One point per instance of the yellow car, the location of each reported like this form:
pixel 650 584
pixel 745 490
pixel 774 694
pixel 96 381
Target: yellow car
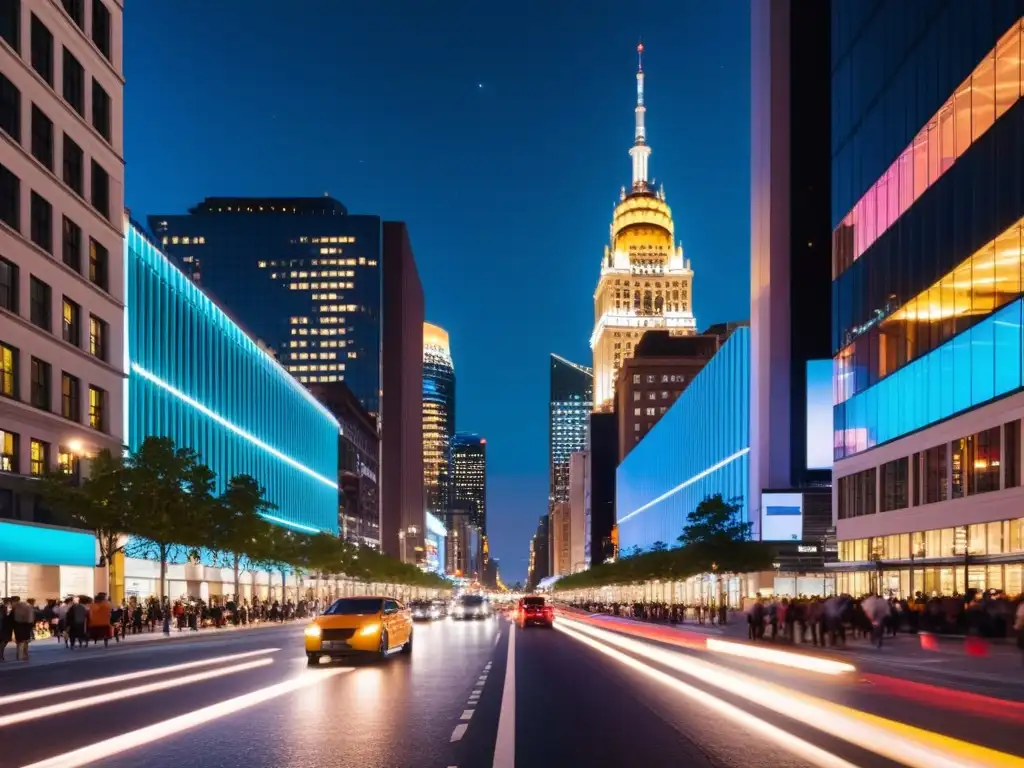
pixel 359 625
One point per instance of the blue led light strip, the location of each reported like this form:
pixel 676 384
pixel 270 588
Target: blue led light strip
pixel 290 524
pixel 237 430
pixel 686 483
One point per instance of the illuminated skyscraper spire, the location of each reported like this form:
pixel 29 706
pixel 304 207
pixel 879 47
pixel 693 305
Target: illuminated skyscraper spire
pixel 640 152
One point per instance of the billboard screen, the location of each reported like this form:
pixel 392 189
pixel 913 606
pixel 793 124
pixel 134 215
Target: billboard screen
pixel 782 516
pixel 819 414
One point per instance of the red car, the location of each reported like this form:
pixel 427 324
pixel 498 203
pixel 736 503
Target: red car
pixel 535 610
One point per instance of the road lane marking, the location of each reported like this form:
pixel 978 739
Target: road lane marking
pixel 458 733
pixel 789 742
pixel 103 698
pixel 505 743
pixel 902 743
pixel 478 691
pixel 497 637
pixel 466 714
pixel 125 742
pixel 113 679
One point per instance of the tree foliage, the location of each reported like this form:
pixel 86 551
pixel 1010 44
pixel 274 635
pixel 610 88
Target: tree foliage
pixel 716 522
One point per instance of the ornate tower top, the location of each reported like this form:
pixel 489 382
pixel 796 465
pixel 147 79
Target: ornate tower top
pixel 640 152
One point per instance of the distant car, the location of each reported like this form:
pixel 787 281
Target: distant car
pixel 535 610
pixel 359 625
pixel 425 610
pixel 471 607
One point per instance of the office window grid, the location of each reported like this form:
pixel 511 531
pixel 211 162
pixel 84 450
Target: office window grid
pixel 193 372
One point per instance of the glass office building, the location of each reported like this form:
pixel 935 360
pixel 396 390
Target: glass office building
pixel 569 405
pixel 438 419
pixel 700 447
pixel 197 377
pixel 302 275
pixel 928 323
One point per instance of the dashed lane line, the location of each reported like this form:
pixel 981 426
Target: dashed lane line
pixel 459 732
pixel 467 714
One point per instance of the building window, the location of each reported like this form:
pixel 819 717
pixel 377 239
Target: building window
pixel 76 10
pixel 636 377
pixel 1011 454
pixel 8 451
pixel 10 199
pixel 636 411
pixel 857 494
pixel 42 50
pixel 98 258
pixel 101 27
pixel 893 479
pixel 74 83
pixel 39 457
pixel 10 109
pixel 636 427
pixel 97 409
pixel 71 245
pixel 636 396
pixel 70 398
pixel 39 303
pixel 650 411
pixel 10 23
pixel 957 458
pixel 8 286
pixel 74 166
pixel 934 475
pixel 983 462
pixel 67 461
pixel 42 137
pixel 71 327
pixel 42 223
pixel 100 190
pixel 915 480
pixel 40 385
pixel 97 337
pixel 100 110
pixel 8 371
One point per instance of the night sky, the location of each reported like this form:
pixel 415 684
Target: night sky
pixel 499 135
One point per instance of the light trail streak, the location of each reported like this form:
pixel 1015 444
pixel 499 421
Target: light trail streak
pixel 781 738
pixel 127 693
pixel 103 750
pixel 99 682
pixel 899 742
pixel 782 658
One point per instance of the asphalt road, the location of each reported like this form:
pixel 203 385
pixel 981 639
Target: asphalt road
pixel 570 696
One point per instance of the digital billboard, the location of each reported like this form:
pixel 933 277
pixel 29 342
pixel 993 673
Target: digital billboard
pixel 782 516
pixel 819 414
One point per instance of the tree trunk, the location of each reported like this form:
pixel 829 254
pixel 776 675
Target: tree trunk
pixel 284 590
pixel 163 571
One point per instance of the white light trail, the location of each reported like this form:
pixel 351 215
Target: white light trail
pixel 782 658
pixel 103 750
pixel 127 693
pixel 899 742
pixel 783 739
pixel 98 682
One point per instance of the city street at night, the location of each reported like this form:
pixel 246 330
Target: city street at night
pixel 577 695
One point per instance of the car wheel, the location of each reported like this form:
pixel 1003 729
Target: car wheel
pixel 407 648
pixel 382 651
pixel 312 659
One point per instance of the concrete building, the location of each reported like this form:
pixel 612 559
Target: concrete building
pixel 579 510
pixel 560 551
pixel 61 273
pixel 649 382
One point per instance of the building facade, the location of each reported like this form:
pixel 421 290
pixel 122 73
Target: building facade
pixel 198 378
pixel 61 269
pixel 579 510
pixel 302 275
pixel 645 283
pixel 699 448
pixel 604 460
pixel 560 551
pixel 569 406
pixel 649 382
pixel 358 464
pixel 927 310
pixel 538 568
pixel 469 471
pixel 438 419
pixel 403 509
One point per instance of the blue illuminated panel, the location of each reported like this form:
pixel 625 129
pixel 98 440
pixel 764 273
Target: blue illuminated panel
pixel 196 377
pixel 700 447
pixel 979 365
pixel 43 545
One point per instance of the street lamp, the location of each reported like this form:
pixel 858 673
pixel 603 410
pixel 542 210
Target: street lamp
pixel 401 543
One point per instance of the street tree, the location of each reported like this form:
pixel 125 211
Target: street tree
pixel 659 546
pixel 715 523
pixel 237 527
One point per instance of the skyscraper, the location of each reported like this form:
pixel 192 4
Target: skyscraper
pixel 570 404
pixel 645 281
pixel 300 274
pixel 438 419
pixel 469 474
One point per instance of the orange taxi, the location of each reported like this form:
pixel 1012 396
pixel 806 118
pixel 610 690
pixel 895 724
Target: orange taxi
pixel 359 625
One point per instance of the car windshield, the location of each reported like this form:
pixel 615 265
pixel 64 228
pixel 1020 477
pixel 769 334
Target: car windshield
pixel 533 602
pixel 354 606
pixel 471 600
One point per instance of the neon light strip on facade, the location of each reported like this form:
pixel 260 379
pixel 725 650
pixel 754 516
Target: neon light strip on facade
pixel 237 430
pixel 686 483
pixel 290 524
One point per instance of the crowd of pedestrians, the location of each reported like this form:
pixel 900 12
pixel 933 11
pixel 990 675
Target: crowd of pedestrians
pixel 78 620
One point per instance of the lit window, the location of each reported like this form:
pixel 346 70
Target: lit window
pixel 67 461
pixel 39 453
pixel 8 451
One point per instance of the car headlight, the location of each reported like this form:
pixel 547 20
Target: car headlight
pixel 369 629
pixel 313 630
